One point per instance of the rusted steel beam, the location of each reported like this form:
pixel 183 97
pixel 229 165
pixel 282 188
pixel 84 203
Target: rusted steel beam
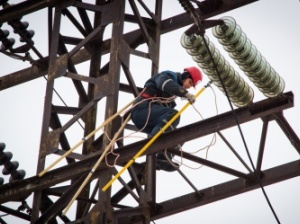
pixel 185 19
pixel 113 80
pixel 85 19
pixel 75 22
pixel 213 165
pixel 234 151
pixel 124 56
pixel 211 194
pixel 140 22
pixel 21 9
pixel 128 188
pixel 31 6
pixel 225 190
pixel 22 76
pixel 55 136
pixel 63 140
pixel 262 144
pixel 154 46
pixel 211 125
pixel 135 182
pixel 288 131
pixel 71 67
pixel 124 215
pixel 57 207
pixel 224 121
pixel 56 68
pixel 14 212
pixel 167 25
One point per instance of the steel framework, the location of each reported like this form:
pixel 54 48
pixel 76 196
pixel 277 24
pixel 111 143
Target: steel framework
pixel 103 84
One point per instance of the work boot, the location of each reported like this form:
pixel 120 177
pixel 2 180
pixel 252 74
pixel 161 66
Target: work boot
pixel 162 163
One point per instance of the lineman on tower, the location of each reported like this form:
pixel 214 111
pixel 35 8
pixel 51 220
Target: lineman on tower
pixel 158 105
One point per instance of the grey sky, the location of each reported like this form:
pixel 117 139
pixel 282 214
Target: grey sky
pixel 273 27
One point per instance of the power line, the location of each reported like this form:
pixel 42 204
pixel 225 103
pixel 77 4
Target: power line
pixel 241 133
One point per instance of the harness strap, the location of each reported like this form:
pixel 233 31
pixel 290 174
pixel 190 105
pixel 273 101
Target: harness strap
pixel 146 95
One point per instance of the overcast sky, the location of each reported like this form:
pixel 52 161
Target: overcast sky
pixel 273 27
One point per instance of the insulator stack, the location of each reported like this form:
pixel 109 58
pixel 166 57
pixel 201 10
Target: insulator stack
pixel 10 167
pixel 2 2
pixel 22 28
pixel 187 5
pixel 7 43
pixel 248 58
pixel 240 93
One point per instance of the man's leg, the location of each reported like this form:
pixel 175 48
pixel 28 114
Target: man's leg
pixel 161 116
pixel 164 159
pixel 152 120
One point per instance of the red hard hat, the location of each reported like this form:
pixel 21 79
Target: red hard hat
pixel 195 73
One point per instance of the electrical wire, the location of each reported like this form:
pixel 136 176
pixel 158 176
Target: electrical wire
pixel 29 58
pixel 241 133
pixel 59 96
pixel 242 136
pixel 213 141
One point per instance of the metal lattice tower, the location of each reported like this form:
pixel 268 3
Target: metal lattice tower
pixel 107 57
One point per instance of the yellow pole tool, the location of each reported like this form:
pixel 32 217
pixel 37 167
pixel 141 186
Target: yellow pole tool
pixel 148 144
pixel 108 147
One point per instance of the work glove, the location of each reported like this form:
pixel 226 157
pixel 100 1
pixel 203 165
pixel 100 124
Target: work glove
pixel 191 98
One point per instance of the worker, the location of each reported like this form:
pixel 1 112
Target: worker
pixel 155 106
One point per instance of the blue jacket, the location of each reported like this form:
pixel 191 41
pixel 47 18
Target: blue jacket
pixel 165 84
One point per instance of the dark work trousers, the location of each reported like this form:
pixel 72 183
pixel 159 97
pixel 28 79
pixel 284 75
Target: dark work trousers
pixel 157 118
